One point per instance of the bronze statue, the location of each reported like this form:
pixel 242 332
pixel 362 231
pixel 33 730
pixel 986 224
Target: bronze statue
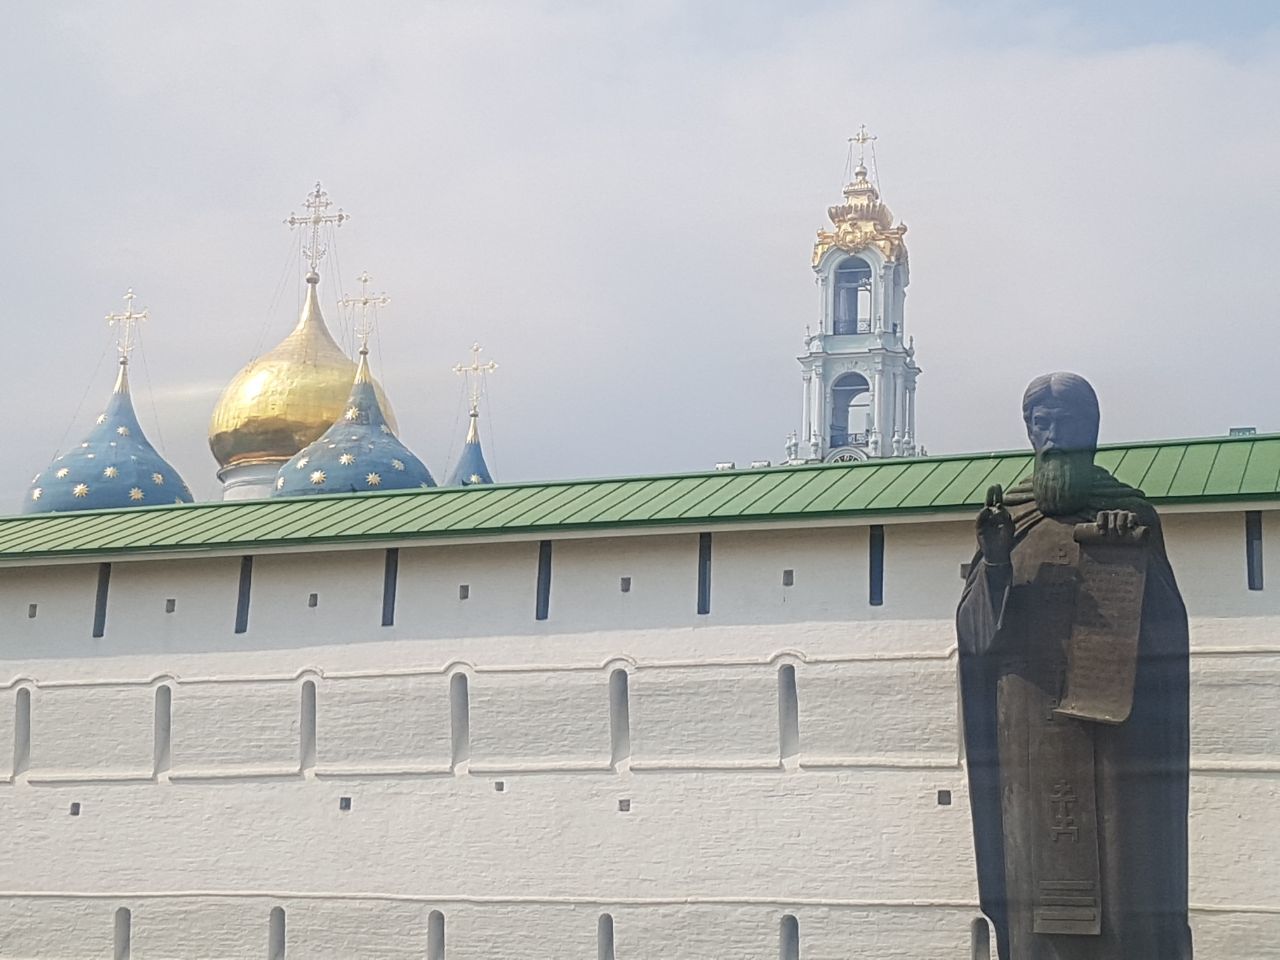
pixel 1074 685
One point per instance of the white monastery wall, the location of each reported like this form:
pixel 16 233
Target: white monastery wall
pixel 325 765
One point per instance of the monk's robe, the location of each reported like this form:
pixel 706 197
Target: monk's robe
pixel 1080 827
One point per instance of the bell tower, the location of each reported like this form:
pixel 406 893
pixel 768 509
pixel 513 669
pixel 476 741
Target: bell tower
pixel 859 368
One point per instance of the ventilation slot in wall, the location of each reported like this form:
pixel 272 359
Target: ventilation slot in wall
pixel 544 580
pixel 624 584
pixel 459 718
pixel 313 600
pixel 619 717
pixel 100 600
pixel 22 732
pixel 307 727
pixel 464 591
pixel 31 611
pixel 435 935
pixel 163 738
pixel 171 605
pixel 390 577
pixel 789 938
pixel 276 935
pixel 788 713
pixel 1253 547
pixel 123 934
pixel 604 937
pixel 242 598
pixel 980 940
pixel 704 573
pixel 788 578
pixel 876 565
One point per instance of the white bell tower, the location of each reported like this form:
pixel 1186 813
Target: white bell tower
pixel 859 367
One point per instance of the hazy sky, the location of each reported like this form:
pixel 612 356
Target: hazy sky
pixel 619 201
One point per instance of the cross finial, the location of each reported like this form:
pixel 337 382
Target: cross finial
pixel 474 372
pixel 128 323
pixel 365 325
pixel 861 138
pixel 317 203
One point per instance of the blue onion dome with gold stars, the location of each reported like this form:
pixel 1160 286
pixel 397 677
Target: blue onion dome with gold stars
pixel 471 468
pixel 114 466
pixel 359 452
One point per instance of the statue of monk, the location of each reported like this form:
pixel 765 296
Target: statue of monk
pixel 1074 687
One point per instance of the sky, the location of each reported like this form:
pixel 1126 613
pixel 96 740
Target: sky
pixel 618 200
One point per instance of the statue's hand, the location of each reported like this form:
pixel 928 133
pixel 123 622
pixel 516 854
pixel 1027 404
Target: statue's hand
pixel 995 529
pixel 1117 522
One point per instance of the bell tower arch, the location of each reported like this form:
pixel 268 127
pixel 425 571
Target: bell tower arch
pixel 858 368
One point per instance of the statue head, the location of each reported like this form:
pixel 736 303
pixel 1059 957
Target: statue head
pixel 1061 414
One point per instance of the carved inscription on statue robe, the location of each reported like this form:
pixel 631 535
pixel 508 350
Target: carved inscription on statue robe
pixel 1102 652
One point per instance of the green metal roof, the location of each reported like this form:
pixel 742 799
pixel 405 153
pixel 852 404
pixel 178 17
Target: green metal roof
pixel 1243 468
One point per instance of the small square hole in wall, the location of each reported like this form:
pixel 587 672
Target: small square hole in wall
pixel 344 803
pixel 464 591
pixel 170 605
pixel 624 805
pixel 625 584
pixel 788 578
pixel 944 798
pixel 313 600
pixel 75 808
pixel 31 611
pixel 499 786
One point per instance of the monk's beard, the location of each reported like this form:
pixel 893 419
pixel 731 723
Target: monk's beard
pixel 1062 480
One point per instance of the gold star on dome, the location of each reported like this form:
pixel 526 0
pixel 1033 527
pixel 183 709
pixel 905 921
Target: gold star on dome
pixel 384 428
pixel 317 477
pixel 398 464
pixel 37 493
pixel 373 480
pixel 123 431
pixel 102 418
pixel 301 464
pixel 279 483
pixel 352 413
pixel 177 500
pixel 61 472
pixel 135 493
pixel 158 479
pixel 80 490
pixel 475 478
pixel 110 472
pixel 346 459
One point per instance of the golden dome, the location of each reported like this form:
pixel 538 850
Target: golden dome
pixel 286 398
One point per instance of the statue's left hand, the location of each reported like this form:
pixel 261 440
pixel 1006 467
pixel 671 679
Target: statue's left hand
pixel 1117 522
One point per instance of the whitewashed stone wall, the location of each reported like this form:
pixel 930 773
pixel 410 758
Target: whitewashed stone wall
pixel 695 831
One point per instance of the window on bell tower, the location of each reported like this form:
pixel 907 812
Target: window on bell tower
pixel 852 297
pixel 850 410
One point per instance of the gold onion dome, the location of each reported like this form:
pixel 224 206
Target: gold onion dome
pixel 289 396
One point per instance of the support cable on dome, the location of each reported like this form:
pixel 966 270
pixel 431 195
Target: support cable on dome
pixel 88 385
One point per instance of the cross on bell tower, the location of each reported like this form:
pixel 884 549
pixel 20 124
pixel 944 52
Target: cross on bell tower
pixel 858 368
pixel 364 326
pixel 127 322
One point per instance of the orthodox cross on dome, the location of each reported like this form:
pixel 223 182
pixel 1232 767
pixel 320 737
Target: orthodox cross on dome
pixel 474 373
pixel 128 322
pixel 317 203
pixel 364 327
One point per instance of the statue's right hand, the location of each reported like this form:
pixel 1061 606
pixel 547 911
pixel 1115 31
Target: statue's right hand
pixel 995 529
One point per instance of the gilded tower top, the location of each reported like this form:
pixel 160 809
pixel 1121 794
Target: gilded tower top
pixel 863 220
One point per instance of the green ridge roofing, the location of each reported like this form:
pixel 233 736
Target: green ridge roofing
pixel 1243 468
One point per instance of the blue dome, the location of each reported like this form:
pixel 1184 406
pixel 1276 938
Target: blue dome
pixel 114 466
pixel 359 452
pixel 470 468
